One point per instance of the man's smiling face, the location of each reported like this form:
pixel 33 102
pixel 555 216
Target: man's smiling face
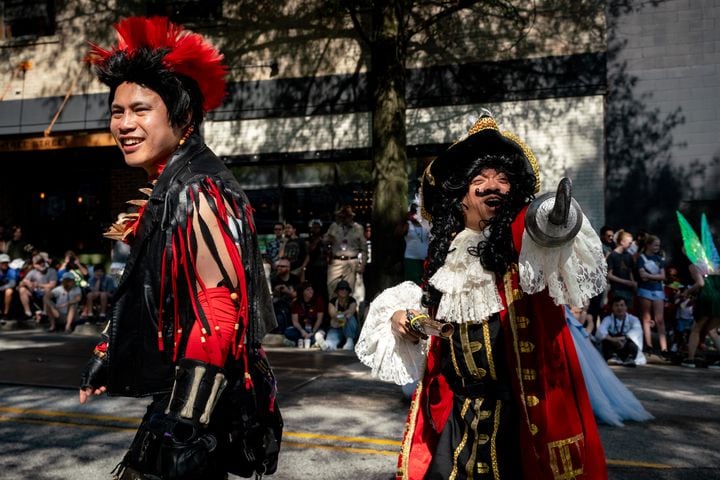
pixel 141 127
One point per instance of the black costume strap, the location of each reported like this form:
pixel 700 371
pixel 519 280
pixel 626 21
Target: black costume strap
pixel 191 271
pixel 209 241
pixel 622 325
pixel 480 388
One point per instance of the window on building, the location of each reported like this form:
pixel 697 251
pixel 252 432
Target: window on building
pixel 301 192
pixel 26 18
pixel 186 11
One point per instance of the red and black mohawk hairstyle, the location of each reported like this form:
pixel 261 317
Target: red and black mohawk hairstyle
pixel 181 66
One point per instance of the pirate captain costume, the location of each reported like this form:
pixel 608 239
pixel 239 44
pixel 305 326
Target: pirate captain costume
pixel 503 397
pixel 194 347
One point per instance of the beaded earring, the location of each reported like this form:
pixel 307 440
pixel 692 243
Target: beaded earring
pixel 186 135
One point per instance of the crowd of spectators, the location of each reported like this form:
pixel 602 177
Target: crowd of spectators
pixel 316 279
pixel 56 293
pixel 646 313
pixel 315 274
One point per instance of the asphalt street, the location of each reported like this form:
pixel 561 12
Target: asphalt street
pixel 340 422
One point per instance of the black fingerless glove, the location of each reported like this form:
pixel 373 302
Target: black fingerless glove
pixel 95 373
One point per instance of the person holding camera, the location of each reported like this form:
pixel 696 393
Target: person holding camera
pixel 621 336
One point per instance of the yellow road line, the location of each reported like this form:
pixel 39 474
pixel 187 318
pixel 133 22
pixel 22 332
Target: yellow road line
pixel 86 416
pixel 339 448
pixel 35 421
pixel 323 436
pixel 17 415
pixel 631 463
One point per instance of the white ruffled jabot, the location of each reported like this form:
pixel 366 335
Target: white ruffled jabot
pixel 469 292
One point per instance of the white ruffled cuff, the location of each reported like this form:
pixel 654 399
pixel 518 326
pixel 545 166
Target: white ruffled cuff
pixel 573 273
pixel 392 358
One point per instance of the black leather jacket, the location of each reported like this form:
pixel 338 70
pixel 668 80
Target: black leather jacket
pixel 136 366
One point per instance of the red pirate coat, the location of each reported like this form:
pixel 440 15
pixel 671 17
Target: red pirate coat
pixel 557 434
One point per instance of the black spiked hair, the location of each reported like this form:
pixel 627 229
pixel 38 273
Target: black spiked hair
pixel 181 95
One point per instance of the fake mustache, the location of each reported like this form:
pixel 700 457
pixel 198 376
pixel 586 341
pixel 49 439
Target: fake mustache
pixel 485 193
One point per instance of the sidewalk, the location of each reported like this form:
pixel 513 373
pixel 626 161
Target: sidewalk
pixel 31 356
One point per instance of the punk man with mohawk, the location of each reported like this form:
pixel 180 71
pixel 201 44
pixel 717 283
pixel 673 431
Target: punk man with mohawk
pixel 193 304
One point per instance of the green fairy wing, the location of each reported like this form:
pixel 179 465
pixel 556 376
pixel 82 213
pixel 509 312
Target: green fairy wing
pixel 693 247
pixel 708 244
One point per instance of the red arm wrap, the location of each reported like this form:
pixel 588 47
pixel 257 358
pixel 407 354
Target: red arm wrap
pixel 222 315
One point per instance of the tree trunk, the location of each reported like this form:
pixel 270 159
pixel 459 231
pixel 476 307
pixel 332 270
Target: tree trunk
pixel 388 144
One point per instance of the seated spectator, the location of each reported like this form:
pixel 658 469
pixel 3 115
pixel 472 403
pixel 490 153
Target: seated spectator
pixel 73 265
pixel 36 283
pixel 621 336
pixel 342 310
pixel 101 289
pixel 611 401
pixel 8 282
pixel 62 302
pixel 307 316
pixel 284 290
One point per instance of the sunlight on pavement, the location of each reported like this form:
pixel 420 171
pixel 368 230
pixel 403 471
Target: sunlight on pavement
pixel 300 440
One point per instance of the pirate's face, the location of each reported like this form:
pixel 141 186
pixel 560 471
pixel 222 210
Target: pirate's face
pixel 484 197
pixel 141 127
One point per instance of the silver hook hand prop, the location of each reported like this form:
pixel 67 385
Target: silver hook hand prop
pixel 554 222
pixel 561 210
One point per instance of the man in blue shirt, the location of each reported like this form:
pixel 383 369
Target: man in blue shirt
pixel 8 282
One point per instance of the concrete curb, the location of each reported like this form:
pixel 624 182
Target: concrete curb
pixel 93 329
pixel 27 325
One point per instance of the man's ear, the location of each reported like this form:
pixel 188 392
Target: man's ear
pixel 188 121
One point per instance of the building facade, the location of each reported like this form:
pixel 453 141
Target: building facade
pixel 296 126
